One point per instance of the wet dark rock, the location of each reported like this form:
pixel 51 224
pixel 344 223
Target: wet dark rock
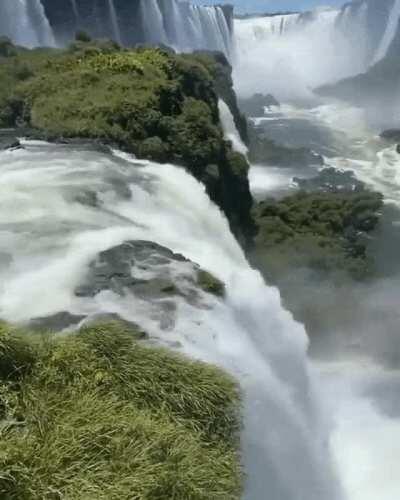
pixel 256 104
pixel 56 322
pixel 398 148
pixel 391 135
pixel 105 318
pixel 330 180
pixel 148 271
pixel 87 198
pixel 264 151
pixel 9 139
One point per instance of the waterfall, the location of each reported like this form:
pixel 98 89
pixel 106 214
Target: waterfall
pixel 75 10
pixel 180 25
pixel 24 22
pixel 153 23
pixel 114 22
pixel 231 133
pixel 51 237
pixel 295 53
pixel 186 27
pixel 390 32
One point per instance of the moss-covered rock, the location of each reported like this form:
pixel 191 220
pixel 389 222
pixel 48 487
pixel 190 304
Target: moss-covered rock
pixel 153 103
pixel 101 416
pixel 210 283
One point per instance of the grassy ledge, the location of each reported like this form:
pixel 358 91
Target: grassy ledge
pixel 97 415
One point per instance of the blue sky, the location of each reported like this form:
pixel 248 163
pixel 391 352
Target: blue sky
pixel 274 5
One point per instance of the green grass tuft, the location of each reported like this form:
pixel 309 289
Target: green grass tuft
pixel 101 416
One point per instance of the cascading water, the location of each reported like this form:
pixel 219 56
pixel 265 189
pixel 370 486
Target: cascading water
pixel 299 52
pixel 114 21
pixel 392 26
pixel 75 10
pixel 48 240
pixel 230 131
pixel 180 25
pixel 25 22
pixel 152 20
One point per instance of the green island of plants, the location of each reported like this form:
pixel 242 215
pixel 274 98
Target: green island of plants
pixel 99 415
pixel 321 231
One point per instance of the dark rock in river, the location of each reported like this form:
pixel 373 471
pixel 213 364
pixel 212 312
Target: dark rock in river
pixel 265 151
pixel 330 180
pixel 256 104
pixel 9 139
pixel 56 322
pixel 392 135
pixel 149 271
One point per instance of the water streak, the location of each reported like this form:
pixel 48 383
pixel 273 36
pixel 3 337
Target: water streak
pixel 390 33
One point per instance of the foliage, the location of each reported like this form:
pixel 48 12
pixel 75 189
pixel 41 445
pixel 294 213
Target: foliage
pixel 100 416
pixel 82 36
pixel 322 231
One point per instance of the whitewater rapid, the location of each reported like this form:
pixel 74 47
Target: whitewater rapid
pixel 48 237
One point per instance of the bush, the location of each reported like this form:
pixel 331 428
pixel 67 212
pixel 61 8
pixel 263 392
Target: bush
pixel 82 36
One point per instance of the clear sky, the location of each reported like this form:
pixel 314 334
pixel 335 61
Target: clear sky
pixel 274 5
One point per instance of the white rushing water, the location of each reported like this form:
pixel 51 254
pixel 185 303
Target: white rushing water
pixel 186 27
pixel 390 32
pixel 230 131
pixel 48 237
pixel 292 54
pixel 366 439
pixel 24 21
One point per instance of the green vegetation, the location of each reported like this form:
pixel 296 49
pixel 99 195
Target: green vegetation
pixel 210 283
pixel 150 102
pixel 323 231
pixel 97 415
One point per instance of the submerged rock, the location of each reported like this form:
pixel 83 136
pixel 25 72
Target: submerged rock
pixel 149 271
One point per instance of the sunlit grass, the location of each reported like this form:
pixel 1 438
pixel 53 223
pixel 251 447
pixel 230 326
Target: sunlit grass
pixel 98 415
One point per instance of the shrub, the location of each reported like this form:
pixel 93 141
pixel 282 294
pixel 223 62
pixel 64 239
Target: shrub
pixel 82 36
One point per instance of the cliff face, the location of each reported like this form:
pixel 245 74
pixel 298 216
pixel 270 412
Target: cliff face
pixel 155 104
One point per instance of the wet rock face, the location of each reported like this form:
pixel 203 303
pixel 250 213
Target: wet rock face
pixel 9 139
pixel 141 267
pixel 140 270
pixel 149 271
